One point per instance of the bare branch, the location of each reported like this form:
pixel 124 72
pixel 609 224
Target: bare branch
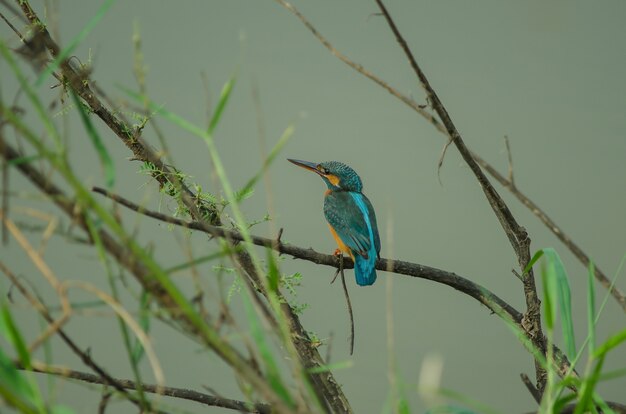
pixel 601 277
pixel 180 393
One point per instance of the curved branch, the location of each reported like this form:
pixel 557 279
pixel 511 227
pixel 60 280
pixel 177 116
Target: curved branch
pixel 326 388
pixel 473 289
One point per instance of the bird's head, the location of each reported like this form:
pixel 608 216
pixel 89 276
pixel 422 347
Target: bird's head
pixel 337 175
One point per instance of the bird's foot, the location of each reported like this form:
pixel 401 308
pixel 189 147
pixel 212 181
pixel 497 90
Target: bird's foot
pixel 339 254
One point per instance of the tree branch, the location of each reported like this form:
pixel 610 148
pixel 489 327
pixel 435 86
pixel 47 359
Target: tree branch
pixel 180 393
pixel 618 295
pixel 324 384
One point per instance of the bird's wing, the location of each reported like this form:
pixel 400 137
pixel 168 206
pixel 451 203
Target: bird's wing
pixel 374 225
pixel 349 216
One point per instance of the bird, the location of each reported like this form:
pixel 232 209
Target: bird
pixel 350 216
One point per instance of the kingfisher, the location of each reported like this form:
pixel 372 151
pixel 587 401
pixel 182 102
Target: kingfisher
pixel 350 216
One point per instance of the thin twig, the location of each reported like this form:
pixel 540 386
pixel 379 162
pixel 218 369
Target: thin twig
pixel 517 235
pixel 180 393
pixel 531 388
pixel 432 120
pixel 328 391
pixel 83 355
pixel 600 276
pixel 509 154
pixel 359 68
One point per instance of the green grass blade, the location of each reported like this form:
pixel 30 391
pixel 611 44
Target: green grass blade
pixel 284 138
pixel 550 293
pixel 103 154
pixel 217 255
pixel 14 388
pixel 221 104
pixel 13 335
pixel 564 298
pixel 24 160
pixel 611 343
pixel 75 42
pixel 273 373
pixel 587 388
pixel 26 388
pixel 533 260
pixel 591 309
pixel 160 110
pixel 599 401
pixel 138 351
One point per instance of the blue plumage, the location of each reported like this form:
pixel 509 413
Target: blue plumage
pixel 350 216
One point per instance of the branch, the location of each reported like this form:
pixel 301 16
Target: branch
pixel 618 295
pixel 517 234
pixel 181 393
pixel 327 390
pixel 145 277
pixel 478 292
pixel 84 356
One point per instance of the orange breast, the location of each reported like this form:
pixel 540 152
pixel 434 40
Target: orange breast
pixel 340 243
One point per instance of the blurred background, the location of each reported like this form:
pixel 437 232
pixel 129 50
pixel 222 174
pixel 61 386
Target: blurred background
pixel 548 75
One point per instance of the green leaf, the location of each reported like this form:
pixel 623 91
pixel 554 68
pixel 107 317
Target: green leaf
pixel 224 252
pixel 273 274
pixel 564 298
pixel 534 259
pixel 67 51
pixel 284 138
pixel 273 373
pixel 13 335
pixel 24 160
pixel 557 291
pixel 14 387
pixel 550 293
pixel 138 351
pixel 221 104
pixel 103 154
pixel 244 193
pixel 591 309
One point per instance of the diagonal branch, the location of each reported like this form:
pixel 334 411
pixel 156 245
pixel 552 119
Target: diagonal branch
pixel 554 228
pixel 328 391
pixel 516 234
pixel 618 295
pixel 464 285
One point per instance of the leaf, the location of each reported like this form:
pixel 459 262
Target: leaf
pixel 138 351
pixel 103 154
pixel 221 104
pixel 67 51
pixel 557 291
pixel 564 298
pixel 273 373
pixel 273 275
pixel 284 138
pixel 591 309
pixel 13 335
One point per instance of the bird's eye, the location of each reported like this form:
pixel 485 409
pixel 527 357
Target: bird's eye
pixel 322 169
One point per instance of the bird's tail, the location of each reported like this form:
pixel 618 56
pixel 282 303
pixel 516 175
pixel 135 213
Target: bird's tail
pixel 364 270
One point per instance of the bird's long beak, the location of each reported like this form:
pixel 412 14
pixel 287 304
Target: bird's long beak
pixel 311 166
